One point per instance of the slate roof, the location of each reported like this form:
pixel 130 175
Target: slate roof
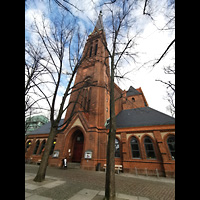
pixel 45 129
pixel 132 91
pixel 139 117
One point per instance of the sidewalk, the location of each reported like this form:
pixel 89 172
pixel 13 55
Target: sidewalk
pixel 77 184
pixel 150 178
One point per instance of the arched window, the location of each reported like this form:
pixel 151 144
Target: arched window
pixel 86 99
pixel 171 145
pixel 96 47
pixel 28 144
pixel 90 51
pixel 117 148
pixel 135 148
pixel 150 153
pixel 52 148
pixel 36 146
pixel 42 146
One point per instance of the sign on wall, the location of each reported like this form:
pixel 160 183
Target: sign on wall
pixel 56 154
pixel 88 154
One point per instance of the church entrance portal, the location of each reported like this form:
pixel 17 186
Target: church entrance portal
pixel 78 146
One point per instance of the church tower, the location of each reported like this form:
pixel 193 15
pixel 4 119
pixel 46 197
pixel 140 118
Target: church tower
pixel 90 94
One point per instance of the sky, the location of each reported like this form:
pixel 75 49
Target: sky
pixel 151 43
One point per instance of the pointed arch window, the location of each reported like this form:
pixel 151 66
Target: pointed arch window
pixel 85 102
pixel 96 47
pixel 28 144
pixel 90 51
pixel 150 153
pixel 171 146
pixel 36 147
pixel 42 146
pixel 135 148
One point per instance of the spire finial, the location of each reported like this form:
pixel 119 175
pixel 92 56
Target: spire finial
pixel 99 24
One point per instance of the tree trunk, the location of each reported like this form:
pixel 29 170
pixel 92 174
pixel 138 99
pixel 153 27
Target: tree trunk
pixel 110 166
pixel 44 161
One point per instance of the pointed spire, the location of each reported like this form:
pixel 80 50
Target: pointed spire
pixel 99 24
pixel 99 27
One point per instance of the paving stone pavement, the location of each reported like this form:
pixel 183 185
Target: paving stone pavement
pixel 78 184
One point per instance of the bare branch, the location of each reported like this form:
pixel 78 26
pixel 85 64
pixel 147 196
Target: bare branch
pixel 168 47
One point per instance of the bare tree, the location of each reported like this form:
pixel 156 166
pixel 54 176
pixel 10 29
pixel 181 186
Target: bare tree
pixel 170 87
pixel 118 28
pixel 150 9
pixel 33 69
pixel 67 5
pixel 56 40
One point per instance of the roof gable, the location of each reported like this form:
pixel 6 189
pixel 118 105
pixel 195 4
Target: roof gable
pixel 132 91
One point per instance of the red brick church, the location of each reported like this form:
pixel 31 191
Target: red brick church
pixel 145 137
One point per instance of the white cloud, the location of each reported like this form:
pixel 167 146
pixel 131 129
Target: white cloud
pixel 151 45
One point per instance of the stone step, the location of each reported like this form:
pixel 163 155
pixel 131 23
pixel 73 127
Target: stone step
pixel 72 165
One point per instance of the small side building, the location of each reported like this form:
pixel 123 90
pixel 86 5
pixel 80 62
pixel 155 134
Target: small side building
pixel 35 122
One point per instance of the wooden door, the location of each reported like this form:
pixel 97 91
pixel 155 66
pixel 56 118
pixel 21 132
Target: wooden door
pixel 78 148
